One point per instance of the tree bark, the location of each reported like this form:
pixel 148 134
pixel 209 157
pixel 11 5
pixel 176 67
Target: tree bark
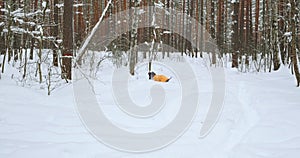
pixel 220 24
pixel 294 57
pixel 281 30
pixel 133 49
pixel 235 36
pixel 276 60
pixel 2 39
pixel 202 28
pixel 67 40
pixel 213 30
pixel 257 11
pixel 96 11
pixel 55 33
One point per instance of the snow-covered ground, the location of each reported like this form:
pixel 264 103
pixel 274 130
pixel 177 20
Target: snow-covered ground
pixel 260 118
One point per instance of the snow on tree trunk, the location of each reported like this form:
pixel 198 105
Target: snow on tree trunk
pixel 2 40
pixel 294 57
pixel 134 50
pixel 67 40
pixel 55 33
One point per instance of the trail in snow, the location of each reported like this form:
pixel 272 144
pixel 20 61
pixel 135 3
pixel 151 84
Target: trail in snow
pixel 260 118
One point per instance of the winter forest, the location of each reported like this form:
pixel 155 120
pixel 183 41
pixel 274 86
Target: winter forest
pixel 149 78
pixel 255 35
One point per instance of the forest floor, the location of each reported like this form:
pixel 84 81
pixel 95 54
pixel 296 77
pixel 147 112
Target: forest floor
pixel 260 118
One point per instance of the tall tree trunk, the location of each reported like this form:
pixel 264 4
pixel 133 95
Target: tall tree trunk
pixel 202 28
pixel 55 33
pixel 281 30
pixel 294 57
pixel 276 60
pixel 133 49
pixel 189 12
pixel 213 30
pixel 67 40
pixel 32 46
pixel 9 36
pixel 241 26
pixel 247 31
pixel 235 36
pixel 81 24
pixel 2 39
pixel 96 11
pixel 220 24
pixel 227 25
pixel 257 11
pixel 264 29
pixel 183 28
pixel 197 27
pixel 269 34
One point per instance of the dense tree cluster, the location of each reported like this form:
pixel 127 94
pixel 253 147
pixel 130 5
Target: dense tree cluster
pixel 258 34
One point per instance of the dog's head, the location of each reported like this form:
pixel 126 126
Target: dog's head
pixel 151 75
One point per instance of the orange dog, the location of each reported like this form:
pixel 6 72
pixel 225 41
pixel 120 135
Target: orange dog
pixel 158 78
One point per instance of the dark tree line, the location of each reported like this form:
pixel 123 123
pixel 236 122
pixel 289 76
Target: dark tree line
pixel 259 34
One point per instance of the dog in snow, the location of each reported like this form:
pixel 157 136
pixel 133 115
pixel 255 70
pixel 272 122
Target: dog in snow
pixel 158 78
